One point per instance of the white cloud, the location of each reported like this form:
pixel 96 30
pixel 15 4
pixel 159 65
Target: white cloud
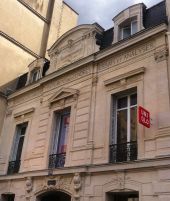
pixel 103 11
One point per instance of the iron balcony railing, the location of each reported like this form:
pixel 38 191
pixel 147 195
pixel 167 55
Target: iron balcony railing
pixel 13 167
pixel 57 160
pixel 123 152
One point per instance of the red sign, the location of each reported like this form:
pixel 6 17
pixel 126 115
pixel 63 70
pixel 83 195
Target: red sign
pixel 144 117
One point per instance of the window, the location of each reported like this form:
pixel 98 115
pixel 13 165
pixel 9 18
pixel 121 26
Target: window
pixel 123 196
pixel 35 75
pixel 59 146
pixel 124 128
pixel 8 197
pixel 127 28
pixel 14 163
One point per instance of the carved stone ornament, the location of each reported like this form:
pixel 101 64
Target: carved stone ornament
pixel 94 80
pixel 77 185
pixel 61 183
pixel 161 55
pixel 63 94
pixel 74 45
pixel 28 184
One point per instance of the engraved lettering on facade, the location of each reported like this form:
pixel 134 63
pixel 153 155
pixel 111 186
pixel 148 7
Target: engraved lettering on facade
pixel 125 56
pixel 68 78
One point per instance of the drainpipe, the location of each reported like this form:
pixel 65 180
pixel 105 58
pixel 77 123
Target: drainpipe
pixel 46 28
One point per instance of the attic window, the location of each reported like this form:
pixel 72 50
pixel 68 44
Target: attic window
pixel 127 28
pixel 35 75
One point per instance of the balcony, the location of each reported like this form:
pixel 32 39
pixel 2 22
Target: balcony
pixel 57 160
pixel 13 167
pixel 123 152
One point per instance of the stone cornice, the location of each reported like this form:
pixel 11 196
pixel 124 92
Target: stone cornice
pixel 95 57
pixel 144 164
pixel 68 68
pixel 24 112
pixel 51 76
pixel 24 90
pixel 124 76
pixel 12 40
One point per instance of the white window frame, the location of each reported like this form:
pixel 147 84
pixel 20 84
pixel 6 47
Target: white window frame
pixel 130 25
pixel 114 123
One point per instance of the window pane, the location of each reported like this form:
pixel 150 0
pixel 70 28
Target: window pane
pixel 133 99
pixel 65 120
pixel 23 129
pixel 126 32
pixel 134 27
pixel 19 150
pixel 133 124
pixel 34 76
pixel 122 126
pixel 122 102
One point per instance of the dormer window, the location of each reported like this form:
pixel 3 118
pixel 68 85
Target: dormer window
pixel 35 75
pixel 127 28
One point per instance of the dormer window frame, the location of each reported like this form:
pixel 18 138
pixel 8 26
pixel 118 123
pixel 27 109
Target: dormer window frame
pixel 37 76
pixel 36 70
pixel 129 26
pixel 130 15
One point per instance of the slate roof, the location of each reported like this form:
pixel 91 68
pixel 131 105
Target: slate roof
pixel 155 15
pixel 152 16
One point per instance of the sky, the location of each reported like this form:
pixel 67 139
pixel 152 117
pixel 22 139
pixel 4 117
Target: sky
pixel 103 11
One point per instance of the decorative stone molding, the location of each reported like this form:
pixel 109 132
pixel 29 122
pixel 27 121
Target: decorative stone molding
pixel 122 78
pixel 63 94
pixel 8 112
pixel 161 55
pixel 74 45
pixel 94 80
pixel 125 56
pixel 38 63
pixel 121 183
pixel 77 185
pixel 28 184
pixel 61 184
pixel 22 113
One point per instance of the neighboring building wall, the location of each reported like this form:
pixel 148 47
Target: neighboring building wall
pixel 27 30
pixel 67 16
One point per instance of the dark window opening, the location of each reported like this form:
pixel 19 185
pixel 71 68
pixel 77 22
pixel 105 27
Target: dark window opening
pixel 8 197
pixel 14 163
pixel 54 196
pixel 123 196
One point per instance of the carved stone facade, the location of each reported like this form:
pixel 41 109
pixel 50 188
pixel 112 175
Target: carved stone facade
pixel 82 93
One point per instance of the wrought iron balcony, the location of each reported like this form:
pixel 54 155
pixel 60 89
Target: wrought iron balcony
pixel 57 160
pixel 123 152
pixel 13 167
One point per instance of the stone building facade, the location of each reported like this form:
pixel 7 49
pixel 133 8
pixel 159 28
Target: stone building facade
pixel 28 29
pixel 73 134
